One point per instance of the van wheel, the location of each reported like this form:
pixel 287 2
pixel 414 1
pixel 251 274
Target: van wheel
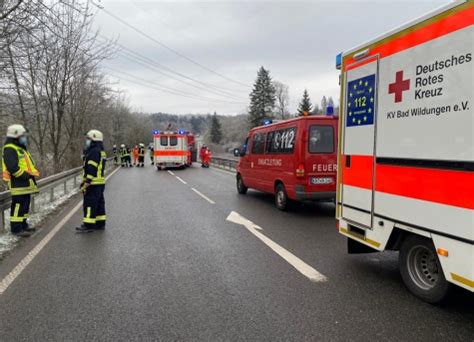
pixel 421 270
pixel 241 188
pixel 281 197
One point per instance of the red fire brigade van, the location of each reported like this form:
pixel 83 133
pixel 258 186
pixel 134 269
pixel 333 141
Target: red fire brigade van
pixel 294 159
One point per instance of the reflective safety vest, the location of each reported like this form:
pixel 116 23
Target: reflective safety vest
pixel 25 165
pixel 141 151
pixel 99 177
pixel 124 152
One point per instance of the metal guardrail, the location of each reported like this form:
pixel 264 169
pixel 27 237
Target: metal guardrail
pixel 46 184
pixel 225 163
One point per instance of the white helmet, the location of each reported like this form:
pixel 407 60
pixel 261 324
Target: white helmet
pixel 95 135
pixel 142 145
pixel 16 131
pixel 122 146
pixel 115 146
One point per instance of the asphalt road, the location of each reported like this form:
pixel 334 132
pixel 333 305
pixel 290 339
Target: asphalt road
pixel 171 267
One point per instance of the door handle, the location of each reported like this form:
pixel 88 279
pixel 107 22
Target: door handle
pixel 348 161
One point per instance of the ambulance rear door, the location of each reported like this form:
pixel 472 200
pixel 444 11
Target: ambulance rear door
pixel 359 126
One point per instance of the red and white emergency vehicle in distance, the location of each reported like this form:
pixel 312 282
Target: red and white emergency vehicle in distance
pixel 174 149
pixel 406 152
pixel 294 159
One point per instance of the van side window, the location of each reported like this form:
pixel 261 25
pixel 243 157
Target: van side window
pixel 321 139
pixel 258 143
pixel 281 141
pixel 173 140
pixel 164 141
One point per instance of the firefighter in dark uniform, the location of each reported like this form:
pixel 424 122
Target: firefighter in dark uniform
pixel 20 172
pixel 141 155
pixel 93 183
pixel 152 154
pixel 116 155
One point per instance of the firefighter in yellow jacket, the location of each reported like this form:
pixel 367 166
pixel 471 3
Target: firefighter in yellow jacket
pixel 20 172
pixel 93 183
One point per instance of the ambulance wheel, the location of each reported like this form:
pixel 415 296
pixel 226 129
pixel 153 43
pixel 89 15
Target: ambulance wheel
pixel 421 270
pixel 281 197
pixel 241 188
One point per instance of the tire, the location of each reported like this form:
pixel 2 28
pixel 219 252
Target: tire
pixel 241 188
pixel 281 197
pixel 421 270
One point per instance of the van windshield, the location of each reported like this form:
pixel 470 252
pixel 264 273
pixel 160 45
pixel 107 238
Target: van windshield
pixel 164 141
pixel 321 139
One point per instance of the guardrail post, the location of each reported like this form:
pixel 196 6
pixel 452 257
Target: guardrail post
pixel 65 187
pixel 2 221
pixel 51 194
pixel 32 204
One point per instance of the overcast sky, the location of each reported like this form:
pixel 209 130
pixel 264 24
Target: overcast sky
pixel 296 40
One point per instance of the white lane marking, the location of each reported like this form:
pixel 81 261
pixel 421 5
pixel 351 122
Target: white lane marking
pixel 292 259
pixel 171 173
pixel 203 196
pixel 181 180
pixel 10 278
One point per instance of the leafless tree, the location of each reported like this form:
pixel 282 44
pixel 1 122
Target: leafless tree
pixel 282 99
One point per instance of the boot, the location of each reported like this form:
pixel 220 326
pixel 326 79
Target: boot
pixel 84 229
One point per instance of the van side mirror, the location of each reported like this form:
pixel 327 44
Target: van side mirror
pixel 236 152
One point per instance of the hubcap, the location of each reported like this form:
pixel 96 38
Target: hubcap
pixel 422 267
pixel 280 198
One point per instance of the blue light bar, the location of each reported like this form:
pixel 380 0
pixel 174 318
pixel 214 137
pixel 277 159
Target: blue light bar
pixel 267 122
pixel 182 132
pixel 156 132
pixel 339 61
pixel 330 111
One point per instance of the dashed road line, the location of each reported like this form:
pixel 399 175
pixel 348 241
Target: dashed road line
pixel 170 172
pixel 181 180
pixel 203 196
pixel 10 278
pixel 290 258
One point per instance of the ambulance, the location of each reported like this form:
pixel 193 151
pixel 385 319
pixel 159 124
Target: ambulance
pixel 406 152
pixel 173 149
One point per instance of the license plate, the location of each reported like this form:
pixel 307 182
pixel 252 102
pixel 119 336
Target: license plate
pixel 320 180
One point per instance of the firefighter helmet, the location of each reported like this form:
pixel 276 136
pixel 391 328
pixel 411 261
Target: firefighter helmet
pixel 95 135
pixel 16 131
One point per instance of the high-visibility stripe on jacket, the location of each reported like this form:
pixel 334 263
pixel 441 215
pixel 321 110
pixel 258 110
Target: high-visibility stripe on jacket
pixel 141 151
pixel 25 165
pixel 94 166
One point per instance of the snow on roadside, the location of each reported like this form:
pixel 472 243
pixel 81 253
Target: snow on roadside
pixel 43 207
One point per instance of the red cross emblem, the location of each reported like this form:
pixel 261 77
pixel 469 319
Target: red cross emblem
pixel 399 86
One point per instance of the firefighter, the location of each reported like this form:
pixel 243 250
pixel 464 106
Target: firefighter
pixel 20 172
pixel 141 155
pixel 116 155
pixel 125 156
pixel 202 153
pixel 135 152
pixel 207 158
pixel 152 154
pixel 93 183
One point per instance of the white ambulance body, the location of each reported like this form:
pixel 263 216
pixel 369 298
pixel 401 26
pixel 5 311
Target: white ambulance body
pixel 406 152
pixel 171 149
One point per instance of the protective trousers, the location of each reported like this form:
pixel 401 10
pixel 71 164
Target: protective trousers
pixel 19 213
pixel 94 207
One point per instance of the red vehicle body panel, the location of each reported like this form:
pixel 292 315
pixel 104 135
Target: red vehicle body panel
pixel 307 143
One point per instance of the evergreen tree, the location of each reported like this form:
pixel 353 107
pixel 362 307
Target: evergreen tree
pixel 316 109
pixel 262 98
pixel 305 104
pixel 216 129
